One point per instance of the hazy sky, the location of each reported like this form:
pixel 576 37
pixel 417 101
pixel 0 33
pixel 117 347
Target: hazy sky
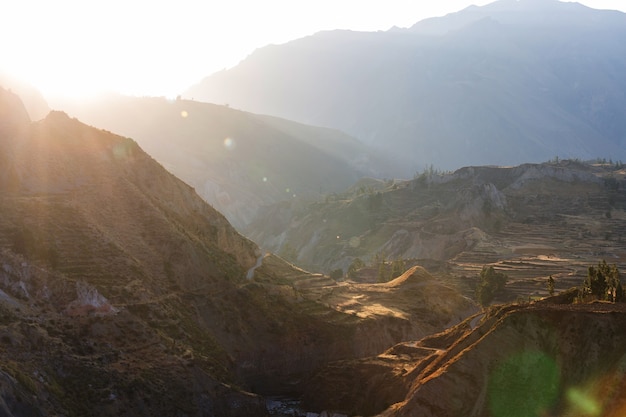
pixel 161 47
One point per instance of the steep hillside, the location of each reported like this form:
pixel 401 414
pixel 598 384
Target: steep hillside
pixel 530 360
pixel 530 221
pixel 123 293
pixel 97 244
pixel 236 161
pixel 507 83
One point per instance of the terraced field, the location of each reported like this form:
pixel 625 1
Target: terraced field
pixel 531 222
pixel 560 240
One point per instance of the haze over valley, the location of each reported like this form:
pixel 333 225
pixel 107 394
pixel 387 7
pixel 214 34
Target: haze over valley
pixel 426 218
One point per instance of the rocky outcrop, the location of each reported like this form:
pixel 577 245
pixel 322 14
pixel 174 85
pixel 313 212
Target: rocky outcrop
pixel 297 322
pixel 518 360
pixel 534 360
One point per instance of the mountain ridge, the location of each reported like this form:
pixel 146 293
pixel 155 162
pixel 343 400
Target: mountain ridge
pixel 236 160
pixel 490 92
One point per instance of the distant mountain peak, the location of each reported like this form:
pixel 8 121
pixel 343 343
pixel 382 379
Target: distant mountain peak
pixel 517 12
pixel 32 99
pixel 508 82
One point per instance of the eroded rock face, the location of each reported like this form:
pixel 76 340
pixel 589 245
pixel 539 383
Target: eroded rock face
pixel 289 326
pixel 531 360
pixel 538 359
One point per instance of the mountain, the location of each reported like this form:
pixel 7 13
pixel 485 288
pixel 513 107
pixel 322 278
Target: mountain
pixel 543 358
pixel 33 100
pixel 95 239
pixel 123 293
pixel 237 161
pixel 530 221
pixel 507 83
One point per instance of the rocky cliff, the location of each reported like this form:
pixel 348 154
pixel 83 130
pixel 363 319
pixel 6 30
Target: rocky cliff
pixel 530 360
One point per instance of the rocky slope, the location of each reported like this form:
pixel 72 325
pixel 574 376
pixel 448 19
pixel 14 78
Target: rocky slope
pixel 507 83
pixel 96 238
pixel 124 293
pixel 519 360
pixel 530 221
pixel 308 320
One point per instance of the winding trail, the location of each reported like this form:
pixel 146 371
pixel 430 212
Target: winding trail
pixel 259 262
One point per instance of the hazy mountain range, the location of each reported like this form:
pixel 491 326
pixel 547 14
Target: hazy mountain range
pixel 506 83
pixel 237 161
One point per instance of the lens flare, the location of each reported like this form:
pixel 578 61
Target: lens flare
pixel 355 242
pixel 229 144
pixel 525 385
pixel 583 403
pixel 184 114
pixel 123 150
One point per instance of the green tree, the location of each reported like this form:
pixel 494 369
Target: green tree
pixel 382 271
pixel 375 202
pixel 620 297
pixel 356 264
pixel 380 260
pixel 551 285
pixel 603 282
pixel 336 274
pixel 397 268
pixel 490 283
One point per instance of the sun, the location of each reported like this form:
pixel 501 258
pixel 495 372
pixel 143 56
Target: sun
pixel 81 49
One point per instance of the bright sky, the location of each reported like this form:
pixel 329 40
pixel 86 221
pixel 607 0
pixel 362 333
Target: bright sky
pixel 161 47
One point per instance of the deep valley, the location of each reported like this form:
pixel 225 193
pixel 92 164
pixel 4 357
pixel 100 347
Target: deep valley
pixel 417 222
